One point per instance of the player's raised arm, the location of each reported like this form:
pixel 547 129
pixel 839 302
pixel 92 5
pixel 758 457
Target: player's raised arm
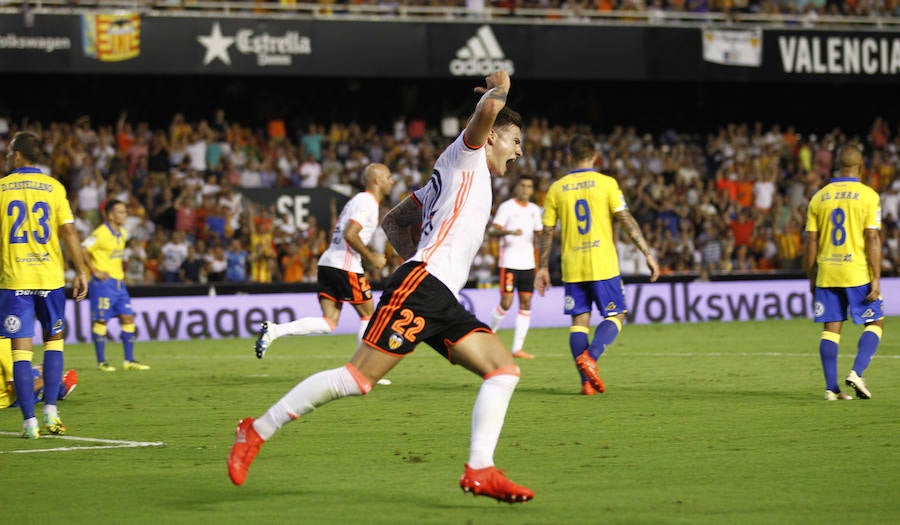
pixel 493 99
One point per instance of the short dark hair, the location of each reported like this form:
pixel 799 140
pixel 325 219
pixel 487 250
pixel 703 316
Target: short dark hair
pixel 28 145
pixel 508 117
pixel 527 176
pixel 581 148
pixel 110 204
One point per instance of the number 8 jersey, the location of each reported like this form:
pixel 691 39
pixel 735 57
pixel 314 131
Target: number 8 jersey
pixel 840 212
pixel 584 201
pixel 32 208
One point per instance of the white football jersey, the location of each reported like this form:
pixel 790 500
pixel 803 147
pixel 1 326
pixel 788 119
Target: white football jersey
pixel 456 206
pixel 517 251
pixel 361 209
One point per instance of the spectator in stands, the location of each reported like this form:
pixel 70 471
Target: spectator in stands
pixel 173 254
pixel 193 268
pixel 237 258
pixel 216 264
pixel 135 259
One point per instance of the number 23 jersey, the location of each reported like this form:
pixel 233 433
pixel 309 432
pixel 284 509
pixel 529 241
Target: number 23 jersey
pixel 32 208
pixel 584 202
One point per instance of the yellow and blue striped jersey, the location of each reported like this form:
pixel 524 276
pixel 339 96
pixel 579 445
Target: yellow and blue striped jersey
pixel 584 202
pixel 106 248
pixel 840 212
pixel 33 206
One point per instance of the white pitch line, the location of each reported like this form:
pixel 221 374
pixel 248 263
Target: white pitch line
pixel 111 443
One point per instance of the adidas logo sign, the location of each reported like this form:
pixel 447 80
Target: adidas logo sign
pixel 480 56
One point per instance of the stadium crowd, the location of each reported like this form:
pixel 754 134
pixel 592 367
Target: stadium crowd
pixel 654 9
pixel 731 201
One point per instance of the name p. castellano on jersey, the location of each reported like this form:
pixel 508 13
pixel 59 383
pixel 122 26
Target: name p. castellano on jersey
pixel 26 185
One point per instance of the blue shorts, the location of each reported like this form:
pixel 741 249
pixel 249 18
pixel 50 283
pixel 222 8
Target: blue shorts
pixel 20 308
pixel 832 304
pixel 109 298
pixel 608 295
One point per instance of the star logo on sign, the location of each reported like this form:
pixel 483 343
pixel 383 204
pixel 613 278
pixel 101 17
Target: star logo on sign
pixel 216 46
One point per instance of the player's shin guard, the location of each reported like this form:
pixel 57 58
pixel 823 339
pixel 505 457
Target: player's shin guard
pixel 578 343
pixel 488 414
pixel 98 333
pixel 311 393
pixel 24 382
pixel 496 317
pixel 128 337
pixel 523 322
pixel 363 324
pixel 868 345
pixel 604 336
pixel 53 370
pixel 304 326
pixel 828 351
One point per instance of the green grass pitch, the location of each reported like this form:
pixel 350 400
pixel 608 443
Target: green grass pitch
pixel 701 423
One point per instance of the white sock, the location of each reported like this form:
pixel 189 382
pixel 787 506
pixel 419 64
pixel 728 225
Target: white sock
pixel 487 418
pixel 496 318
pixel 308 395
pixel 523 321
pixel 303 326
pixel 51 411
pixel 363 324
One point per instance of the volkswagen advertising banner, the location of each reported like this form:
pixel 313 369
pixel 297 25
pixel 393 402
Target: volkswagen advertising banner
pixel 130 43
pixel 226 316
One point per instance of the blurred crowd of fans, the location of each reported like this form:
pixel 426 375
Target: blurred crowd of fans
pixel 455 7
pixel 727 202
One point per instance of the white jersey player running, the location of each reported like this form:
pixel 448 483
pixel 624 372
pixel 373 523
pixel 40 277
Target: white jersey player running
pixel 420 303
pixel 340 273
pixel 516 222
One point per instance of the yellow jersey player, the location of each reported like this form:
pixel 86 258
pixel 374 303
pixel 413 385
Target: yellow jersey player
pixel 106 290
pixel 35 217
pixel 584 202
pixel 8 386
pixel 843 262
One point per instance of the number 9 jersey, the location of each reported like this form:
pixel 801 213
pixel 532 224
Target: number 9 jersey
pixel 584 202
pixel 841 212
pixel 32 208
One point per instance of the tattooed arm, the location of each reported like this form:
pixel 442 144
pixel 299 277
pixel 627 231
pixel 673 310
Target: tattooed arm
pixel 396 227
pixel 489 106
pixel 542 274
pixel 631 228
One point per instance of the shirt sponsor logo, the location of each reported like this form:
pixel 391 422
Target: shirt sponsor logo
pixel 33 258
pixel 270 50
pixel 12 324
pixel 481 55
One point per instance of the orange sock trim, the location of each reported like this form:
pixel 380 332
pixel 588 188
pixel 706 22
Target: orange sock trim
pixel 511 370
pixel 365 318
pixel 331 324
pixel 364 386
